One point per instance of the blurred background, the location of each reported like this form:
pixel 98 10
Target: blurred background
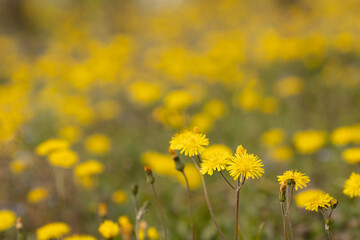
pixel 116 79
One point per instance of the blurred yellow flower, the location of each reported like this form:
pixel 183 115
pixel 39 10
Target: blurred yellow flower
pixel 162 164
pixel 52 231
pixel 17 166
pixel 319 200
pixel 144 92
pixel 308 142
pixel 249 99
pixel 97 144
pixel 203 121
pixel 190 143
pixel 37 195
pixel 108 109
pixel 215 108
pixel 352 185
pixel 269 105
pixel 192 174
pixel 351 155
pixel 214 161
pixel 153 233
pixel 7 219
pixel 245 165
pixel 119 197
pixel 342 135
pixel 289 86
pixel 51 145
pixel 273 137
pixel 70 133
pixel 109 229
pixel 125 225
pixel 281 154
pixel 179 99
pixel 305 196
pixel 63 158
pixel 80 237
pixel 88 168
pixel 299 178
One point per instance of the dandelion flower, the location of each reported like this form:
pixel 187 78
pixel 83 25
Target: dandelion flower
pixel 51 145
pixel 352 185
pixel 351 155
pixel 190 143
pixel 308 142
pixel 125 224
pixel 7 219
pixel 88 168
pixel 299 178
pixel 63 158
pixel 52 231
pixel 243 164
pixel 153 233
pixel 80 237
pixel 214 162
pixel 320 200
pixel 18 166
pixel 273 137
pixel 98 144
pixel 305 196
pixel 119 197
pixel 37 195
pixel 109 229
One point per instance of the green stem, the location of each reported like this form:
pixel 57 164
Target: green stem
pixel 190 206
pixel 160 211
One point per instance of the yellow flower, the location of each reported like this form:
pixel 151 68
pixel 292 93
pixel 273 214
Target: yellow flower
pixel 80 237
pixel 98 144
pixel 204 121
pixel 351 155
pixel 190 143
pixel 308 142
pixel 108 109
pixel 144 92
pixel 215 108
pixel 119 197
pixel 109 229
pixel 63 158
pixel 51 145
pixel 162 164
pixel 249 99
pixel 88 168
pixel 289 86
pixel 52 231
pixel 305 196
pixel 70 133
pixel 37 195
pixel 269 105
pixel 320 200
pixel 246 165
pixel 178 100
pixel 352 185
pixel 214 161
pixel 153 234
pixel 18 166
pixel 273 137
pixel 125 224
pixel 300 178
pixel 7 219
pixel 342 135
pixel 281 154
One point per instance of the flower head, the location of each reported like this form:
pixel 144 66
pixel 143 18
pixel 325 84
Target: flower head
pixel 88 168
pixel 37 195
pixel 51 145
pixel 98 144
pixel 7 219
pixel 246 165
pixel 352 185
pixel 63 158
pixel 109 229
pixel 351 155
pixel 190 143
pixel 305 196
pixel 299 178
pixel 320 200
pixel 52 231
pixel 214 159
pixel 308 142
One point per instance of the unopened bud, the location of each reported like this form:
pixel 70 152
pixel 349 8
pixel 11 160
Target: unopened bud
pixel 334 203
pixel 179 165
pixel 283 187
pixel 240 150
pixel 149 176
pixel 196 129
pixel 282 196
pixel 134 189
pixel 102 210
pixel 19 224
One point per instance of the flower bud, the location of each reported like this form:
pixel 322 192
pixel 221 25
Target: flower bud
pixel 282 196
pixel 334 203
pixel 149 176
pixel 178 164
pixel 134 189
pixel 328 223
pixel 102 210
pixel 240 150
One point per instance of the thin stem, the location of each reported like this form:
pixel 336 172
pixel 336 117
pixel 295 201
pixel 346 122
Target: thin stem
pixel 227 181
pixel 237 208
pixel 208 201
pixel 329 234
pixel 190 205
pixel 160 211
pixel 137 220
pixel 289 200
pixel 284 220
